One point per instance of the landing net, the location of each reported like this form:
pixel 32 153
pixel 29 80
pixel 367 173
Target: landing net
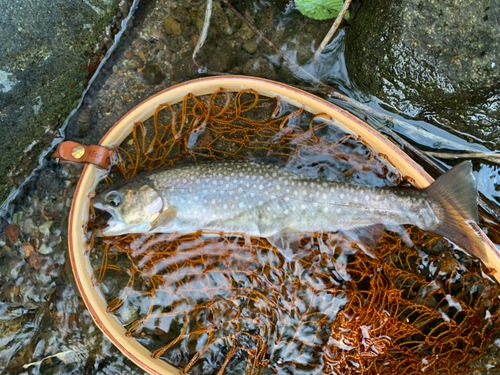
pixel 229 304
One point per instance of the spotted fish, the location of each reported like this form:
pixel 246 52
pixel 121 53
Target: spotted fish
pixel 263 199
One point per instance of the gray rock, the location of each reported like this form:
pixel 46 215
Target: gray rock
pixel 45 44
pixel 431 57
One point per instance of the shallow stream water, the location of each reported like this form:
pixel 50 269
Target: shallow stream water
pixel 44 325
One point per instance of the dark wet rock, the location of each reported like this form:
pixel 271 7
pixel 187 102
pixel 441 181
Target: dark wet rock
pixel 222 58
pixel 152 74
pixel 49 182
pixel 46 49
pixel 172 27
pixel 181 15
pixel 260 67
pixel 431 59
pixel 189 32
pixel 185 67
pixel 174 43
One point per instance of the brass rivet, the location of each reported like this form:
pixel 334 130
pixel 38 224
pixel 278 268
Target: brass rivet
pixel 78 152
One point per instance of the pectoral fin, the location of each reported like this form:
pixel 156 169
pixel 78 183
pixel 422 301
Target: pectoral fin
pixel 165 219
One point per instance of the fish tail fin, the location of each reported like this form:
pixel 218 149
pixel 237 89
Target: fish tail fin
pixel 458 188
pixel 456 192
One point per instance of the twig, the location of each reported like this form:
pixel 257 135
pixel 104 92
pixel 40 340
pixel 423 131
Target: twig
pixel 204 32
pixel 332 31
pixel 492 157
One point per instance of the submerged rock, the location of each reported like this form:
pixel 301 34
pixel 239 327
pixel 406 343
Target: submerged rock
pixel 431 59
pixel 152 74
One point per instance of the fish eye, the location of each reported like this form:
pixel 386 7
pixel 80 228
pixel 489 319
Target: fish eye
pixel 114 199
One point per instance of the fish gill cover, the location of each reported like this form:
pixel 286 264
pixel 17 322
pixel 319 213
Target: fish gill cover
pixel 229 304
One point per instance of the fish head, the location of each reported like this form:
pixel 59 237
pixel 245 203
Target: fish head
pixel 133 207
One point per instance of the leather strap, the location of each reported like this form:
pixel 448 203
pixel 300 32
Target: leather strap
pixel 74 152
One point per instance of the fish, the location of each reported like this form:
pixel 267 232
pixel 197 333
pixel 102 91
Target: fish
pixel 265 199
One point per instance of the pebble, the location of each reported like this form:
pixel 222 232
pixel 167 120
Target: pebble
pixel 172 27
pixel 29 226
pixel 129 54
pixel 13 233
pixel 250 47
pixel 45 228
pixel 44 249
pixel 17 217
pixel 37 260
pixel 134 63
pixel 152 74
pixel 28 249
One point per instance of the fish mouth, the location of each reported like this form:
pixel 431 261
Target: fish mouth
pixel 113 228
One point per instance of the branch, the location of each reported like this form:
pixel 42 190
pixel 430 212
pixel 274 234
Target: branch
pixel 332 31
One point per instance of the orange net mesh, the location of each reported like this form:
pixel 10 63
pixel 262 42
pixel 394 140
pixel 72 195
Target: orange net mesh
pixel 224 304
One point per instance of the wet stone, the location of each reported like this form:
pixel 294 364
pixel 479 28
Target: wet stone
pixel 172 27
pixel 260 67
pixel 250 47
pixel 134 63
pixel 224 57
pixel 431 59
pixel 49 181
pixel 174 43
pixel 181 14
pixel 189 32
pixel 13 233
pixel 152 74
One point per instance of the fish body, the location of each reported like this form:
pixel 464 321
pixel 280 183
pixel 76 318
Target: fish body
pixel 262 199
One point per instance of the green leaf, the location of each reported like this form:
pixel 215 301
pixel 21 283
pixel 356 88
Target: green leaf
pixel 320 9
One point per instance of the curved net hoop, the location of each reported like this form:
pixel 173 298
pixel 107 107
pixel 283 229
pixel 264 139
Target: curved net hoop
pixel 222 303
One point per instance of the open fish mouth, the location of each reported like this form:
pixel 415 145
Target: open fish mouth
pixel 113 228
